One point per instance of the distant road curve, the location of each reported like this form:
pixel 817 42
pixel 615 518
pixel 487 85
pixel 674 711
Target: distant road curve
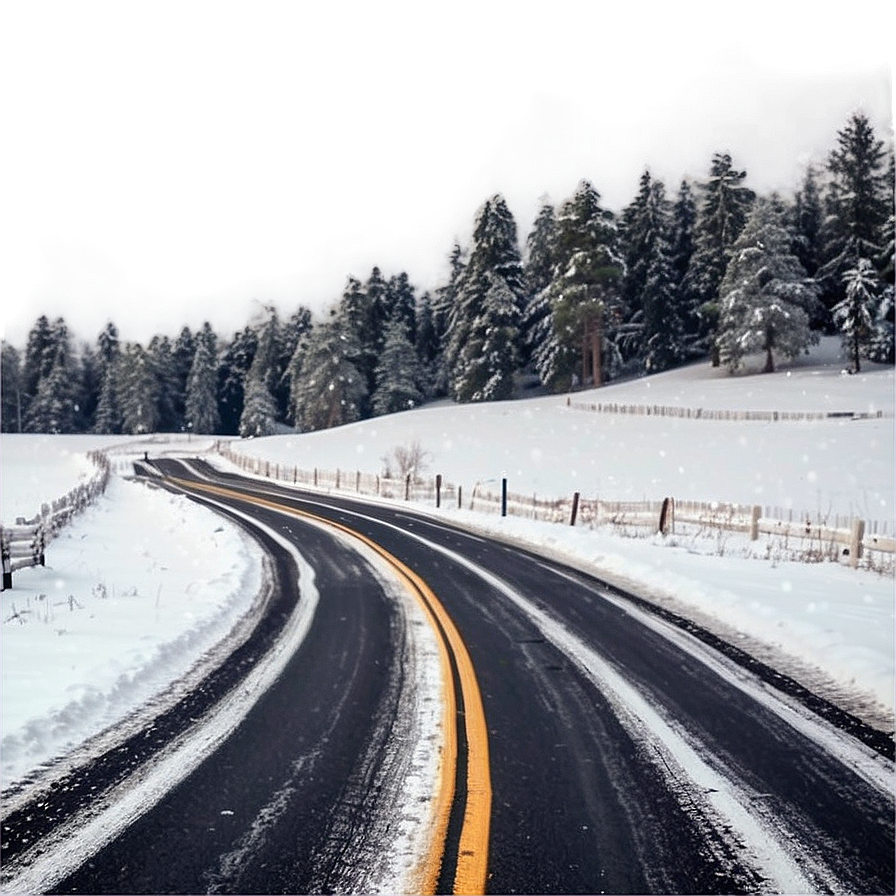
pixel 622 753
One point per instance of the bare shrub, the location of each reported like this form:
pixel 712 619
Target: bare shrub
pixel 410 459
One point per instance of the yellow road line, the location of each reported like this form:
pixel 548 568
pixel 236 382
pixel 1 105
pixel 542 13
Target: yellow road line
pixel 472 859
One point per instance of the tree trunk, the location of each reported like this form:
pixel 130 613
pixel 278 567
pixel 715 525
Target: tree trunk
pixel 769 361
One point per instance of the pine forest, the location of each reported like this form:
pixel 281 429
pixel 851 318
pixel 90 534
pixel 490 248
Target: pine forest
pixel 697 270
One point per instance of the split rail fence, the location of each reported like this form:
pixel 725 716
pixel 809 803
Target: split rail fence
pixel 24 544
pixel 659 410
pixel 836 538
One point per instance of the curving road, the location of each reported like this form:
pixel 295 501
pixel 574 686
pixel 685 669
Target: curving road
pixel 588 745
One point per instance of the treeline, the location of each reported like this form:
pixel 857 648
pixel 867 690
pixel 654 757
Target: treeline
pixel 711 271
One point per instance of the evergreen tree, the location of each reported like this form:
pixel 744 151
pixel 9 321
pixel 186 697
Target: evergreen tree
pixel 538 270
pixel 584 295
pixel 40 351
pixel 427 346
pixel 356 315
pixel 401 304
pixel 766 298
pixel 443 303
pixel 664 327
pixel 11 392
pixel 161 356
pixel 494 256
pixel 202 402
pixel 398 373
pixel 233 369
pixel 326 387
pixel 486 364
pixel 108 417
pixel 291 333
pixel 98 360
pixel 89 384
pixel 723 212
pixel 259 417
pixel 855 313
pixel 446 295
pixel 294 370
pixel 650 284
pixel 810 187
pixel 376 291
pixel 138 395
pixel 53 407
pixel 859 201
pixel 184 351
pixel 881 348
pixel 684 222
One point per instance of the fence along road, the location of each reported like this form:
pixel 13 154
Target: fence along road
pixel 796 536
pixel 623 753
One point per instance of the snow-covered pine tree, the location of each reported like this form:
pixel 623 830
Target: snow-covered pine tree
pixel 376 292
pixel 259 413
pixel 291 333
pixel 650 284
pixel 162 356
pixel 445 297
pixel 584 294
pixel 858 203
pixel 259 417
pixel 184 352
pixel 663 334
pixel 882 348
pixel 401 304
pixel 854 315
pixel 138 396
pixel 443 303
pixel 52 408
pixel 327 389
pixel 202 399
pixel 11 391
pixel 356 315
pixel 684 222
pixel 488 360
pixel 723 212
pixel 538 268
pixel 428 346
pixel 40 350
pixel 398 373
pixel 236 359
pixel 267 354
pixel 108 417
pixel 765 297
pixel 96 362
pixel 494 256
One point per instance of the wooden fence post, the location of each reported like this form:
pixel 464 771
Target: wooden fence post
pixel 460 492
pixel 407 487
pixel 667 516
pixel 7 561
pixel 755 513
pixel 438 490
pixel 504 497
pixel 575 509
pixel 855 542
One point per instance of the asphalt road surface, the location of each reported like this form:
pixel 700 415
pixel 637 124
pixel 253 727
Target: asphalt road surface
pixel 584 743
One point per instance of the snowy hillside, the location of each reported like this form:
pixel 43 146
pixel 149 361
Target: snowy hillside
pixel 833 466
pixel 143 583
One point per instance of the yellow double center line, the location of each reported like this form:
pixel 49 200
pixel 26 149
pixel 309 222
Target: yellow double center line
pixel 472 858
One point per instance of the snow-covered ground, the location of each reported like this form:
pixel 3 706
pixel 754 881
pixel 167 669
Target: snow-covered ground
pixel 143 583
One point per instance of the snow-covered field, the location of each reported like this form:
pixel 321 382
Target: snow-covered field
pixel 143 583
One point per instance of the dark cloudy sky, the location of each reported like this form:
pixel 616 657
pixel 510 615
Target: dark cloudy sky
pixel 163 163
